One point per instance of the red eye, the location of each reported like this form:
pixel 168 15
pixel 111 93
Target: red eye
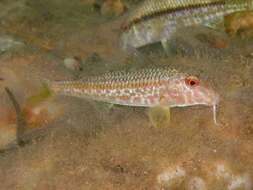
pixel 192 81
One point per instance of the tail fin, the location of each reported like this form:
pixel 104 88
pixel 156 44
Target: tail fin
pixel 44 94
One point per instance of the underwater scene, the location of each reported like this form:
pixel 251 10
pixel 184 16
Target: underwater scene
pixel 126 94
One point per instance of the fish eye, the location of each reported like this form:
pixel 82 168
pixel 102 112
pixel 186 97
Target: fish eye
pixel 192 81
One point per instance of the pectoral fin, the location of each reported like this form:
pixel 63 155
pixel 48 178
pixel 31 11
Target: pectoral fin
pixel 159 116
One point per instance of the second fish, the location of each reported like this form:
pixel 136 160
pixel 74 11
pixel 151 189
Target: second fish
pixel 157 20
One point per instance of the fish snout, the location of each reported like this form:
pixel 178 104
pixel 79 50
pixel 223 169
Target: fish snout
pixel 207 95
pixel 211 96
pixel 214 97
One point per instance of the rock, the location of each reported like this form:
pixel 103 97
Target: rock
pixel 239 23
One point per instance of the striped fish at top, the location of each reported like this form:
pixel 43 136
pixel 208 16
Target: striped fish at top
pixel 156 20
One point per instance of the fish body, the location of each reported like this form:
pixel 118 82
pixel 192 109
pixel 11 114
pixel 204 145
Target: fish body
pixel 157 20
pixel 146 88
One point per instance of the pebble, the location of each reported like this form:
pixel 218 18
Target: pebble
pixel 73 63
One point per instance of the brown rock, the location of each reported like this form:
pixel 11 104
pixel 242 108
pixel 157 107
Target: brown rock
pixel 112 8
pixel 240 23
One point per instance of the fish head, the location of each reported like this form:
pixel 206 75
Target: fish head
pixel 188 91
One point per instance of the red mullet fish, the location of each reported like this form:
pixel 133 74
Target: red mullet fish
pixel 146 88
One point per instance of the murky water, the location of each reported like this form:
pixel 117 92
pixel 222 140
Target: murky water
pixel 73 143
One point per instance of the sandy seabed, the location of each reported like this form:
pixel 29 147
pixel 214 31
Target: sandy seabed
pixel 83 144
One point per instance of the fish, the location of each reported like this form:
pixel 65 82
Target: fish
pixel 157 20
pixel 149 87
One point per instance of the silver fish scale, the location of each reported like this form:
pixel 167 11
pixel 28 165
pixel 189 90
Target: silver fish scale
pixel 137 88
pixel 145 75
